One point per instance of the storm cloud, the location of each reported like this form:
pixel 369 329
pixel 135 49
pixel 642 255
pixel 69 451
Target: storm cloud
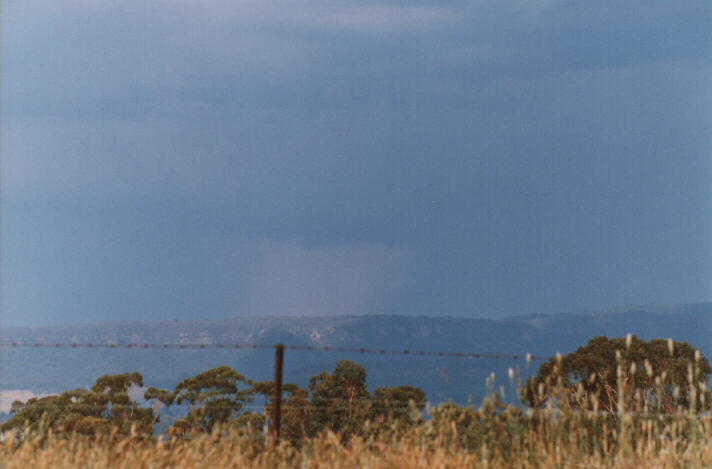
pixel 203 159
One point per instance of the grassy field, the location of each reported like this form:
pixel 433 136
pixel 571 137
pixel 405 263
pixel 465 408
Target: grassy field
pixel 656 424
pixel 546 441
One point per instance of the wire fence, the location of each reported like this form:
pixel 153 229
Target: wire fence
pixel 262 409
pixel 253 346
pixel 286 404
pixel 263 404
pixel 248 346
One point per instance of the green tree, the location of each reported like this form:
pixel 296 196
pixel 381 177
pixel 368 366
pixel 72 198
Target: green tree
pixel 296 410
pixel 214 397
pixel 297 416
pixel 340 400
pixel 396 403
pixel 494 424
pixel 660 373
pixel 99 410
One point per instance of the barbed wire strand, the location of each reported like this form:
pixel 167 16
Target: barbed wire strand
pixel 427 409
pixel 310 348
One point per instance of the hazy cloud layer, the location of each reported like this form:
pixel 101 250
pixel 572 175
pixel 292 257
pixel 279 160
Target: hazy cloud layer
pixel 465 158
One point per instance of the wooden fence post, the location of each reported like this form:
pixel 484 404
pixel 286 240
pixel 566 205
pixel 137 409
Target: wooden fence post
pixel 277 396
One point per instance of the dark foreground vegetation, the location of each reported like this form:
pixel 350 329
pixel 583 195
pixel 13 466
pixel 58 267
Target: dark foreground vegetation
pixel 611 402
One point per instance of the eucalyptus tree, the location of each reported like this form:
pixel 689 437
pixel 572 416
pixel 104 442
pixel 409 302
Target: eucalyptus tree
pixel 608 373
pixel 105 408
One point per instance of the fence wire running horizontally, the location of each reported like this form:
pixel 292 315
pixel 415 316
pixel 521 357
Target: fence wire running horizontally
pixel 285 402
pixel 247 346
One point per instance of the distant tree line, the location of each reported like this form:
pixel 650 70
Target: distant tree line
pixel 339 403
pixel 606 376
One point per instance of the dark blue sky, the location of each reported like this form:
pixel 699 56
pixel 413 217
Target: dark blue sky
pixel 179 159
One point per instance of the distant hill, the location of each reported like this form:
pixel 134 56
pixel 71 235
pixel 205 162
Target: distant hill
pixel 52 370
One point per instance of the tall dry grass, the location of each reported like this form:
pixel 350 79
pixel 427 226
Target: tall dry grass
pixel 555 440
pixel 559 434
